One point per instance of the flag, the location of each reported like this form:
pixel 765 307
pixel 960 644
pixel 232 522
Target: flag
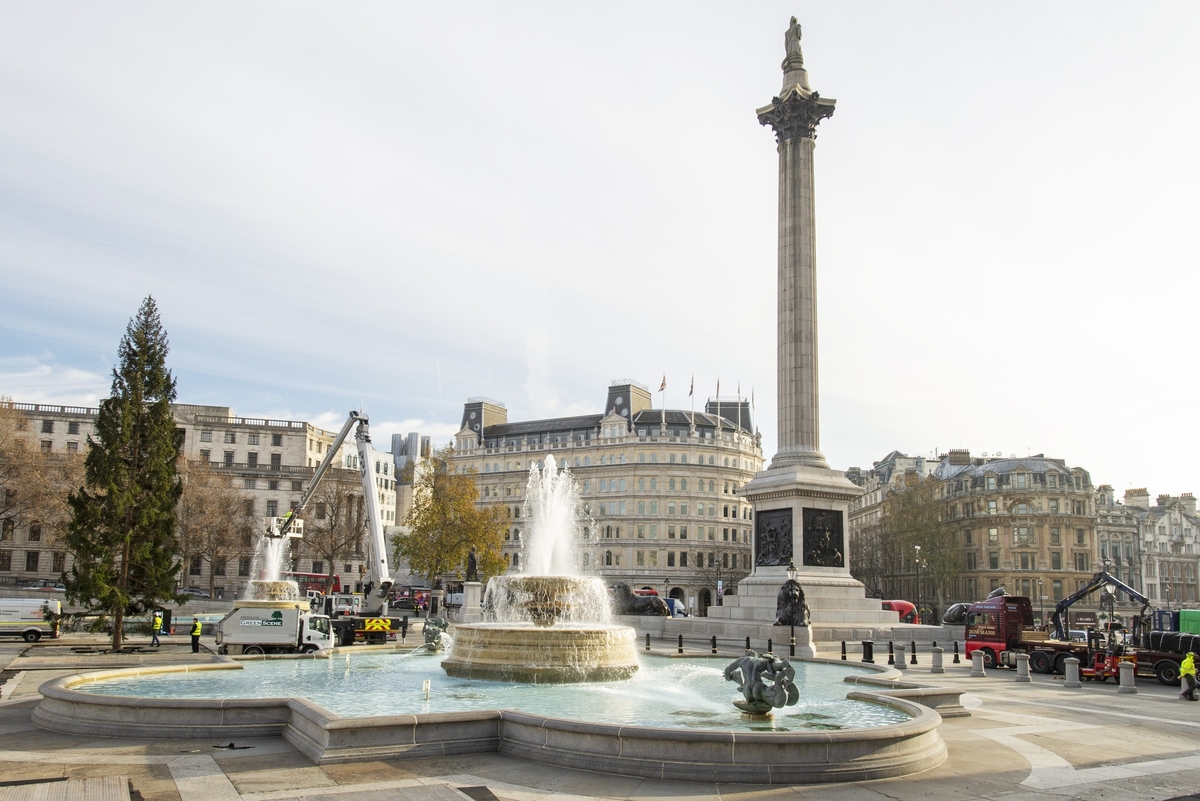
pixel 751 398
pixel 739 391
pixel 663 386
pixel 718 387
pixel 692 388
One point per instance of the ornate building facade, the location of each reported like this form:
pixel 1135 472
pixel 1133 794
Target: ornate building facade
pixel 270 463
pixel 659 486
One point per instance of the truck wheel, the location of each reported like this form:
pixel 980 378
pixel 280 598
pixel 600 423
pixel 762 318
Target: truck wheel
pixel 989 658
pixel 1060 664
pixel 32 636
pixel 1167 673
pixel 1040 662
pixel 308 649
pixel 252 650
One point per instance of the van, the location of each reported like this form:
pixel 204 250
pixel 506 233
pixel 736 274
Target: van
pixel 26 618
pixel 676 606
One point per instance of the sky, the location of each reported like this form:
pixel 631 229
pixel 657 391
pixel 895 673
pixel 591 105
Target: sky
pixel 396 206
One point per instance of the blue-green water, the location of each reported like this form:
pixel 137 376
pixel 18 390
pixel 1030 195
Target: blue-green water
pixel 674 693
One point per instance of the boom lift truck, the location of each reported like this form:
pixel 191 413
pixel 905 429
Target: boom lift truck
pixel 370 622
pixel 1002 627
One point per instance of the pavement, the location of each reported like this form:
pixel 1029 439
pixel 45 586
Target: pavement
pixel 1036 740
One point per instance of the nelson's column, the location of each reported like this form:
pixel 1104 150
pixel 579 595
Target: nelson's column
pixel 800 504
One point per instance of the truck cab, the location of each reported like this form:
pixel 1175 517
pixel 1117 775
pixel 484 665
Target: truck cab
pixel 996 625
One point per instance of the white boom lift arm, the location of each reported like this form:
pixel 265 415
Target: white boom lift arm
pixel 377 582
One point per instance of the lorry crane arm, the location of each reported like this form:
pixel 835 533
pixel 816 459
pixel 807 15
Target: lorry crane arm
pixel 377 582
pixel 1097 581
pixel 318 474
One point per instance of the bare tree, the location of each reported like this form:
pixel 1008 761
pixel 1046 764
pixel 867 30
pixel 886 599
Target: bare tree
pixel 914 516
pixel 213 521
pixel 710 567
pixel 336 521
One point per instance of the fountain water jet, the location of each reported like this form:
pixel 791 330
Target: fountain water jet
pixel 551 624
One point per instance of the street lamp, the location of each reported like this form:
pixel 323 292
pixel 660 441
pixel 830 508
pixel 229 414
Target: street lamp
pixel 919 564
pixel 1041 604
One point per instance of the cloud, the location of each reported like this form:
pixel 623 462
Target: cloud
pixel 34 379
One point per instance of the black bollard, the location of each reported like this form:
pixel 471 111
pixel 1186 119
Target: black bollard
pixel 956 652
pixel 769 649
pixel 868 651
pixel 913 659
pixel 747 645
pixel 714 644
pixel 843 650
pixel 647 641
pixel 403 629
pixel 792 642
pixel 681 643
pixel 934 644
pixel 891 653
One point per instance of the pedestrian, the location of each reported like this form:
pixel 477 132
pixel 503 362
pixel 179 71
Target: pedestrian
pixel 1187 675
pixel 156 627
pixel 195 635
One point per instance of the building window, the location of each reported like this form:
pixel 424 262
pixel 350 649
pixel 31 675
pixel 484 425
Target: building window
pixel 991 482
pixel 206 436
pixel 47 446
pixel 1053 506
pixel 276 461
pixel 971 563
pixel 991 507
pixel 72 447
pixel 272 508
pixel 993 560
pixel 73 428
pixel 993 535
pixel 249 483
pixel 6 529
pixel 968 537
pixel 31 561
pixel 273 485
pixel 47 426
pixel 243 565
pixel 1081 561
pixel 277 440
pixel 194 566
pixel 297 486
pixel 1079 537
pixel 1021 479
pixel 229 458
pixel 58 561
pixel 35 532
pixel 219 567
pixel 6 561
pixel 1056 560
pixel 206 456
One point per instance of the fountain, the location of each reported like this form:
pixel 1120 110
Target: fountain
pixel 550 625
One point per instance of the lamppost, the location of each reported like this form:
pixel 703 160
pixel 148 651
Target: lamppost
pixel 719 593
pixel 792 572
pixel 919 563
pixel 1041 605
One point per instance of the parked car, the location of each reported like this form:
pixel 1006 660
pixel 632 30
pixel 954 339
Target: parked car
pixel 47 585
pixel 195 593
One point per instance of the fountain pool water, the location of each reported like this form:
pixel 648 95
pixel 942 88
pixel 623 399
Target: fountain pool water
pixel 665 692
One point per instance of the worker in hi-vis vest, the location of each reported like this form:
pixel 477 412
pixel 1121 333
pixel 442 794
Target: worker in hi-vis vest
pixel 195 635
pixel 156 627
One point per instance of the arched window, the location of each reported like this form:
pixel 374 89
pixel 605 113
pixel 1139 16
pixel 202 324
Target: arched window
pixel 516 511
pixel 671 484
pixel 507 512
pixel 577 461
pixel 711 487
pixel 653 507
pixel 487 468
pixel 641 483
pixel 608 558
pixel 641 507
pixel 710 460
pixel 516 560
pixel 654 458
pixel 683 459
pixel 727 461
pixel 672 458
pixel 562 462
pixel 585 559
pixel 587 461
pixel 622 458
pixel 654 483
pixel 642 458
pixel 516 533
pixel 683 485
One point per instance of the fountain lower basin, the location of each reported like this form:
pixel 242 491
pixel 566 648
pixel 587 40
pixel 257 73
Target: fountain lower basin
pixel 712 753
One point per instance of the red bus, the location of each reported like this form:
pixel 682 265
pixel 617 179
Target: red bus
pixel 314 581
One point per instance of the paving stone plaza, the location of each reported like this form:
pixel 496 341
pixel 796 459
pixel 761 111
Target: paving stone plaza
pixel 1020 741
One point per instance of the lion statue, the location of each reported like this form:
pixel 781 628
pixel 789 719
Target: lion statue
pixel 790 608
pixel 625 602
